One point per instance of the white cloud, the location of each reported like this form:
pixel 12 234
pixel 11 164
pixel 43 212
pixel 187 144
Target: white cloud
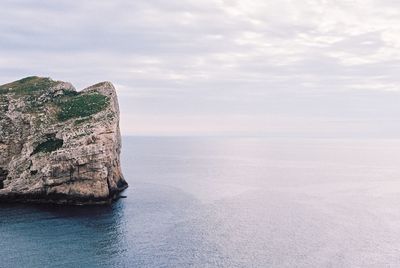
pixel 219 57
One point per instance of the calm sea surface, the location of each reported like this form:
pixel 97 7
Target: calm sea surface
pixel 226 202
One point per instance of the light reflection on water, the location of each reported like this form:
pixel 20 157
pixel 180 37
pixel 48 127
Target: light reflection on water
pixel 214 202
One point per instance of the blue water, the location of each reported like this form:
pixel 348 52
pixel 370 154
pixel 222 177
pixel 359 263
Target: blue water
pixel 226 202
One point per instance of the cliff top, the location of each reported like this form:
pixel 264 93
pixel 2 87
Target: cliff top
pixel 41 93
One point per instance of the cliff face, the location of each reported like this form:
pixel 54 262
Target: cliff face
pixel 58 145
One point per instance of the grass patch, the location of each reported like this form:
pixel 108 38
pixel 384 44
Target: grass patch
pixel 81 106
pixel 69 93
pixel 27 85
pixel 48 146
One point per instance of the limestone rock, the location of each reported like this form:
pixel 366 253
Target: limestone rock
pixel 58 145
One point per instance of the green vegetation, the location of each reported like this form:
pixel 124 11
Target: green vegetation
pixel 49 145
pixel 81 106
pixel 69 93
pixel 27 85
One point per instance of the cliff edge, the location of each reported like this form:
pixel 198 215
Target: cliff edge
pixel 58 145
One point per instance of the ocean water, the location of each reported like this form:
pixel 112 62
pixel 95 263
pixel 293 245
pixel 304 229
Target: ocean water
pixel 226 202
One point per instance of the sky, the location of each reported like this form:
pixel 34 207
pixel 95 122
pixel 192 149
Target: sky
pixel 312 68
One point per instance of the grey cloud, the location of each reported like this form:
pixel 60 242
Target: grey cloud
pixel 222 59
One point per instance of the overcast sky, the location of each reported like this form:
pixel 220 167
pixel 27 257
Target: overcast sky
pixel 215 67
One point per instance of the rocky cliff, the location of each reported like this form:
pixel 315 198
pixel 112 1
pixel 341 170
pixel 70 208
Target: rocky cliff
pixel 58 145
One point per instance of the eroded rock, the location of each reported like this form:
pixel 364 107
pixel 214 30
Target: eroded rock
pixel 58 145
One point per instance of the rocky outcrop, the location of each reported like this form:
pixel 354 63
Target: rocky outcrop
pixel 58 145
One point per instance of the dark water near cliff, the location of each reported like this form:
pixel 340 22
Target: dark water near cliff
pixel 235 202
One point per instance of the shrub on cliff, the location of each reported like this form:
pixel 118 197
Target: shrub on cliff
pixel 81 106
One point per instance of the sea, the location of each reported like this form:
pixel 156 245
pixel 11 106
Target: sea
pixel 226 202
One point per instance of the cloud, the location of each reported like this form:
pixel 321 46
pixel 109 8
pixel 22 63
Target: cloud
pixel 221 58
